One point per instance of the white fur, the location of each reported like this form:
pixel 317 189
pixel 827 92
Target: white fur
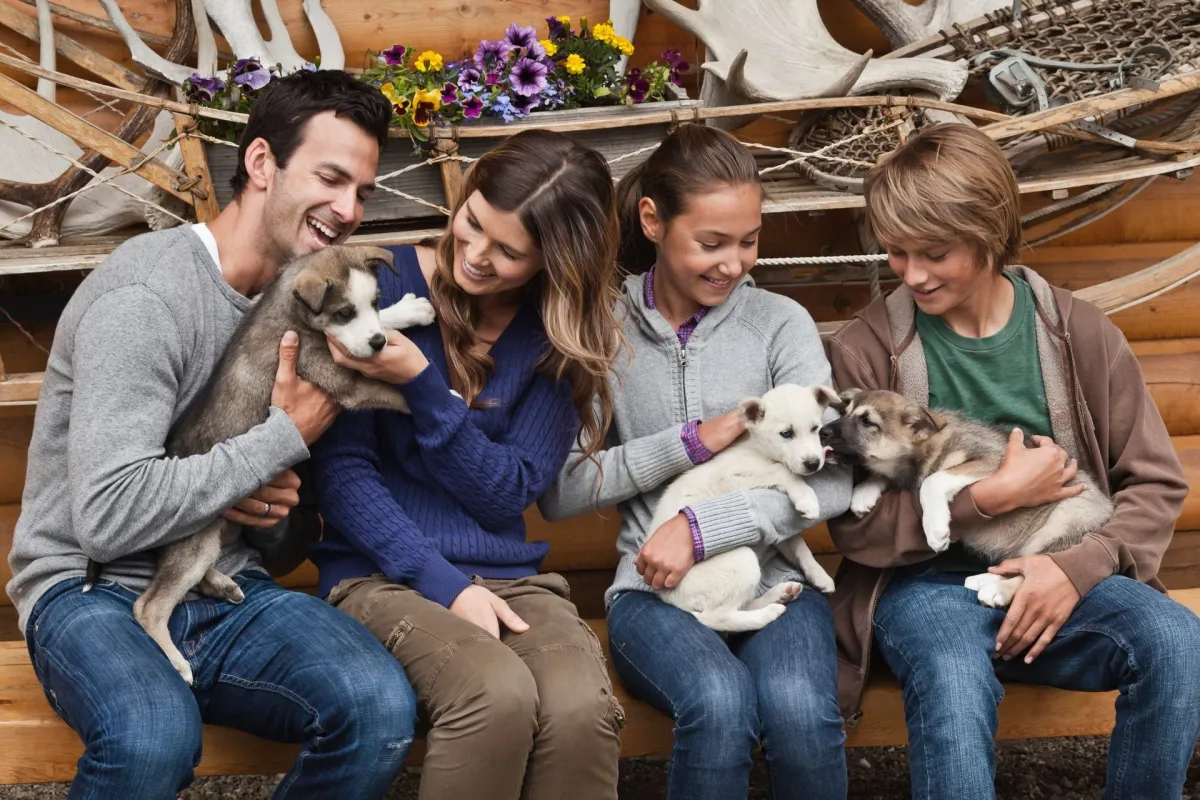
pixel 866 495
pixel 936 493
pixel 407 312
pixel 356 334
pixel 721 591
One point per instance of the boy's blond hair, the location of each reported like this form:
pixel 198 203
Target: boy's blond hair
pixel 948 184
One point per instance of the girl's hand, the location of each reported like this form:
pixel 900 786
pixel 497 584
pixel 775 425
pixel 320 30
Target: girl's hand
pixel 479 606
pixel 719 432
pixel 1027 477
pixel 667 556
pixel 398 362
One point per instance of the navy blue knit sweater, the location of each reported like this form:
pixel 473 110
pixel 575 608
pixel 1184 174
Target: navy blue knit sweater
pixel 431 498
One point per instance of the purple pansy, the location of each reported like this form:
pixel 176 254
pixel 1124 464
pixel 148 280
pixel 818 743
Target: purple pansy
pixel 394 55
pixel 675 60
pixel 250 73
pixel 638 88
pixel 492 53
pixel 528 77
pixel 472 107
pixel 201 89
pixel 523 104
pixel 449 94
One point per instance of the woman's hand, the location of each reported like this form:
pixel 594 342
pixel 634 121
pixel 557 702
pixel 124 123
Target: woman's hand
pixel 719 432
pixel 398 362
pixel 667 556
pixel 1027 477
pixel 479 606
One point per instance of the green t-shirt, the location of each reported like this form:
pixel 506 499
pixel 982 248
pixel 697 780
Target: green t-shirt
pixel 996 379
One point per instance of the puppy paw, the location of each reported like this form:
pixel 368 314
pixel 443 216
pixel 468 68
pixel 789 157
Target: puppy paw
pixel 993 595
pixel 410 310
pixel 773 612
pixel 821 582
pixel 864 497
pixel 784 592
pixel 977 582
pixel 936 522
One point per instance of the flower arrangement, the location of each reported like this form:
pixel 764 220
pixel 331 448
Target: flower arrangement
pixel 516 75
pixel 507 78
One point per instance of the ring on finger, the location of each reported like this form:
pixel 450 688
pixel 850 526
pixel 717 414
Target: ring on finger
pixel 266 512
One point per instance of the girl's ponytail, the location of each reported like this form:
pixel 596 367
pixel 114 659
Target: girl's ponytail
pixel 636 253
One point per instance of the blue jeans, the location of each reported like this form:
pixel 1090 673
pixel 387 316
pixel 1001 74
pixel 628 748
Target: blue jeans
pixel 1123 635
pixel 777 685
pixel 281 665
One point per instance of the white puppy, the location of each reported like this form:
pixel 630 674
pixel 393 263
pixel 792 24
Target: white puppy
pixel 782 443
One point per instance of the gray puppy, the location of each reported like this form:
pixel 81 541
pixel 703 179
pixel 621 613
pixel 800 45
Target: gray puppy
pixel 903 446
pixel 333 291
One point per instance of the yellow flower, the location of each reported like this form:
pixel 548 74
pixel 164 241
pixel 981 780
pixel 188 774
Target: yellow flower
pixel 425 102
pixel 551 47
pixel 574 64
pixel 622 44
pixel 565 20
pixel 429 61
pixel 603 32
pixel 389 91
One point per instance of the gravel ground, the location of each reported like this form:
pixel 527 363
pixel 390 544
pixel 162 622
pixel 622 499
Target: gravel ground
pixel 1062 769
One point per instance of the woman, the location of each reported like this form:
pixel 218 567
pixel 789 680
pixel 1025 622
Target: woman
pixel 425 542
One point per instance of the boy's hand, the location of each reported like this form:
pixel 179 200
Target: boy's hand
pixel 269 505
pixel 309 408
pixel 1027 477
pixel 669 553
pixel 1041 606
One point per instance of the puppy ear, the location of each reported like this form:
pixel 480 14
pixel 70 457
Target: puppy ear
pixel 376 257
pixel 827 397
pixel 751 411
pixel 921 423
pixel 310 288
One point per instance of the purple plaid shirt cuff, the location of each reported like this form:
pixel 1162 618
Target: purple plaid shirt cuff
pixel 694 527
pixel 696 450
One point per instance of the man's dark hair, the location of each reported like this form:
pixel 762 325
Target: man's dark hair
pixel 285 107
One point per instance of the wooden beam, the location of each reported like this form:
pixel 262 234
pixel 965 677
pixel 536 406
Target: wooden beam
pixel 90 137
pixel 85 57
pixel 20 388
pixel 204 195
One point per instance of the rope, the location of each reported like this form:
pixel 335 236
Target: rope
pixel 111 105
pixel 24 332
pixel 783 262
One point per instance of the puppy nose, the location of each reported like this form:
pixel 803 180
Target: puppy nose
pixel 826 434
pixel 377 342
pixel 812 464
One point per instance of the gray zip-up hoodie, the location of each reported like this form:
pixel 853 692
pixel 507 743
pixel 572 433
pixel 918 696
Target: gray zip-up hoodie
pixel 752 342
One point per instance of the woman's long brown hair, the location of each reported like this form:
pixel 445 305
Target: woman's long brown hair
pixel 563 193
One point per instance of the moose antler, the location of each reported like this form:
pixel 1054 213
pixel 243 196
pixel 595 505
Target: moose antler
pixel 766 50
pixel 904 24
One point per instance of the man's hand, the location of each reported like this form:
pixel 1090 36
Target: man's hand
pixel 1041 606
pixel 399 361
pixel 719 432
pixel 1028 477
pixel 309 408
pixel 270 504
pixel 477 605
pixel 667 556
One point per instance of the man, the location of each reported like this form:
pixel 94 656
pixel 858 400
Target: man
pixel 135 345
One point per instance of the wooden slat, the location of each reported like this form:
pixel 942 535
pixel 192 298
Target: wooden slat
pixel 38 747
pixel 85 57
pixel 88 136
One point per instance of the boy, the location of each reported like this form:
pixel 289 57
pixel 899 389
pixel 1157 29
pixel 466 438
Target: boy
pixel 135 345
pixel 965 333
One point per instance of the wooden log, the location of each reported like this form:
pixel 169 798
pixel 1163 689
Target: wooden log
pixel 1174 382
pixel 88 136
pixel 85 57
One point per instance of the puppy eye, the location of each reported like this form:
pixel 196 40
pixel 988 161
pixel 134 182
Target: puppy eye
pixel 788 433
pixel 867 422
pixel 346 314
pixel 815 429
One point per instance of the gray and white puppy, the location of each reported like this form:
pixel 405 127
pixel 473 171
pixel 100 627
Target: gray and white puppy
pixel 333 291
pixel 900 445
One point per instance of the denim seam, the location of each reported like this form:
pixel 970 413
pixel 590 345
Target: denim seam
pixel 283 691
pixel 1125 754
pixel 646 678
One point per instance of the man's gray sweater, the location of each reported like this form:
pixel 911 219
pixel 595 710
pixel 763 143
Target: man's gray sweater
pixel 752 342
pixel 135 345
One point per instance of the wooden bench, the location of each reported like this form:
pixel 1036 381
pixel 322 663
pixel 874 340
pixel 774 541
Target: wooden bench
pixel 35 746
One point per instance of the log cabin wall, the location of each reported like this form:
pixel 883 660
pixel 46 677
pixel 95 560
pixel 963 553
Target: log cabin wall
pixel 1161 221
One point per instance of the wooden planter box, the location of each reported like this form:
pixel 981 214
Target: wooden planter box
pixel 426 181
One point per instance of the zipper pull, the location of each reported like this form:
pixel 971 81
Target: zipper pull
pixel 683 357
pixel 854 719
